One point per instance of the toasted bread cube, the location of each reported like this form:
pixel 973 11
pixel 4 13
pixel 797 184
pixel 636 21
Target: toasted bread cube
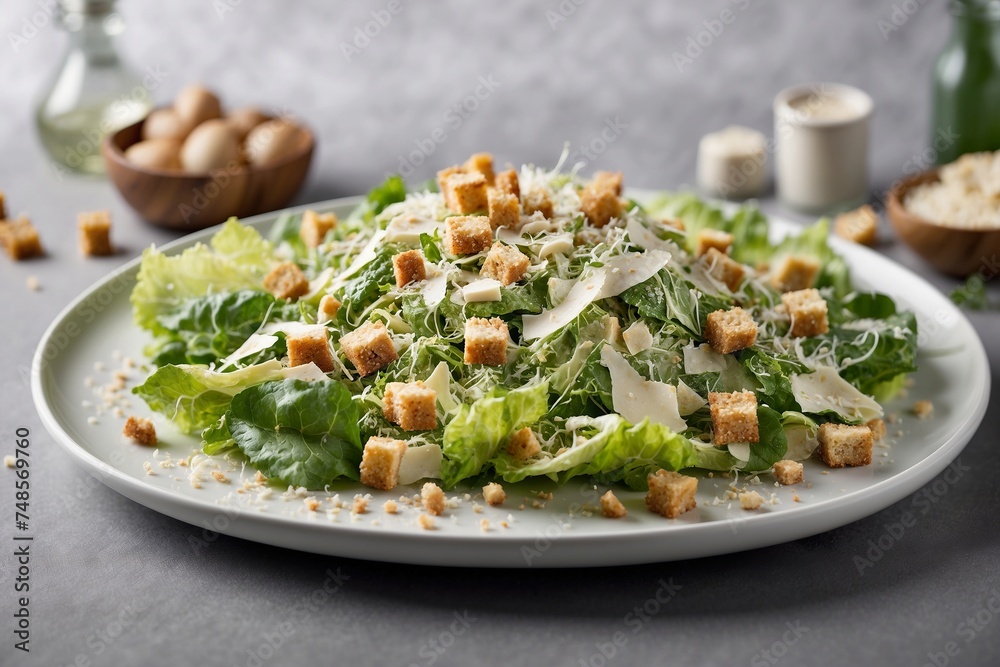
pixel 486 341
pixel 923 409
pixel 538 200
pixel 467 234
pixel 807 311
pixel 788 472
pixel 140 430
pixel 724 269
pixel 505 209
pixel 712 238
pixel 94 230
pixel 380 462
pixel 859 225
pixel 433 498
pixel 734 417
pixel 842 445
pixel 314 227
pixel 674 223
pixel 877 427
pixel 523 445
pixel 506 181
pixel 494 494
pixel 465 193
pixel 609 181
pixel 794 273
pixel 329 306
pixel 369 347
pixel 410 405
pixel 409 267
pixel 671 493
pixel 611 507
pixel 286 281
pixel 447 172
pixel 481 163
pixel 505 263
pixel 20 239
pixel 311 345
pixel 751 500
pixel 730 330
pixel 600 206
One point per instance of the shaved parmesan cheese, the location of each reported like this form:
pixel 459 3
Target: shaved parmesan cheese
pixel 536 226
pixel 802 442
pixel 740 451
pixel 688 400
pixel 421 462
pixel 318 284
pixel 824 390
pixel 612 330
pixel 309 372
pixel 703 359
pixel 434 289
pixel 407 228
pixel 641 236
pixel 637 337
pixel 288 328
pixel 559 288
pixel 626 271
pixel 254 344
pixel 366 255
pixel 636 398
pixel 440 382
pixel 486 289
pixel 557 244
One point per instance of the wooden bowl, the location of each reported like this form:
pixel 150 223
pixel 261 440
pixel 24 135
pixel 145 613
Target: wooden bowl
pixel 182 200
pixel 952 251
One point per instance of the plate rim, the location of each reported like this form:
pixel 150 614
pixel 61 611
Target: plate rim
pixel 813 519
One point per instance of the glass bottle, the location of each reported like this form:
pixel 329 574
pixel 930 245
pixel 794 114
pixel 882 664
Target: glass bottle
pixel 967 82
pixel 93 93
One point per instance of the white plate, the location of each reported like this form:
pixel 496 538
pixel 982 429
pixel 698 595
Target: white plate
pixel 560 532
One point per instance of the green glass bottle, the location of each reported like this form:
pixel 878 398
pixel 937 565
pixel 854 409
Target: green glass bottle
pixel 967 82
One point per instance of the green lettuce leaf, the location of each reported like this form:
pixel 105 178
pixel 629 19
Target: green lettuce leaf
pixel 216 438
pixel 300 433
pixel 667 297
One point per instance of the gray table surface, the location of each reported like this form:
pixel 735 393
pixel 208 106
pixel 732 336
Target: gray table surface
pixel 114 583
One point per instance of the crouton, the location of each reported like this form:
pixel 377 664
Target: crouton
pixel 730 330
pixel 310 345
pixel 410 405
pixel 286 281
pixel 432 498
pixel 724 269
pixel 20 239
pixel 751 500
pixel 609 181
pixel 611 507
pixel 859 225
pixel 807 311
pixel 505 263
pixel 600 206
pixel 712 238
pixel 877 427
pixel 467 234
pixel 537 200
pixel 409 267
pixel 426 522
pixel 670 493
pixel 795 273
pixel 465 193
pixel 369 347
pixel 447 172
pixel 329 306
pixel 506 181
pixel 486 341
pixel 788 472
pixel 494 494
pixel 380 462
pixel 505 209
pixel 314 227
pixel 923 409
pixel 674 223
pixel 844 445
pixel 734 417
pixel 94 233
pixel 523 445
pixel 140 431
pixel 481 163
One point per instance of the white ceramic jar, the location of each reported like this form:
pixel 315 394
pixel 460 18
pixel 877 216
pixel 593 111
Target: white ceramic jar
pixel 821 134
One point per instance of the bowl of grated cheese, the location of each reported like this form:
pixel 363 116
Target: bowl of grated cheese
pixel 950 216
